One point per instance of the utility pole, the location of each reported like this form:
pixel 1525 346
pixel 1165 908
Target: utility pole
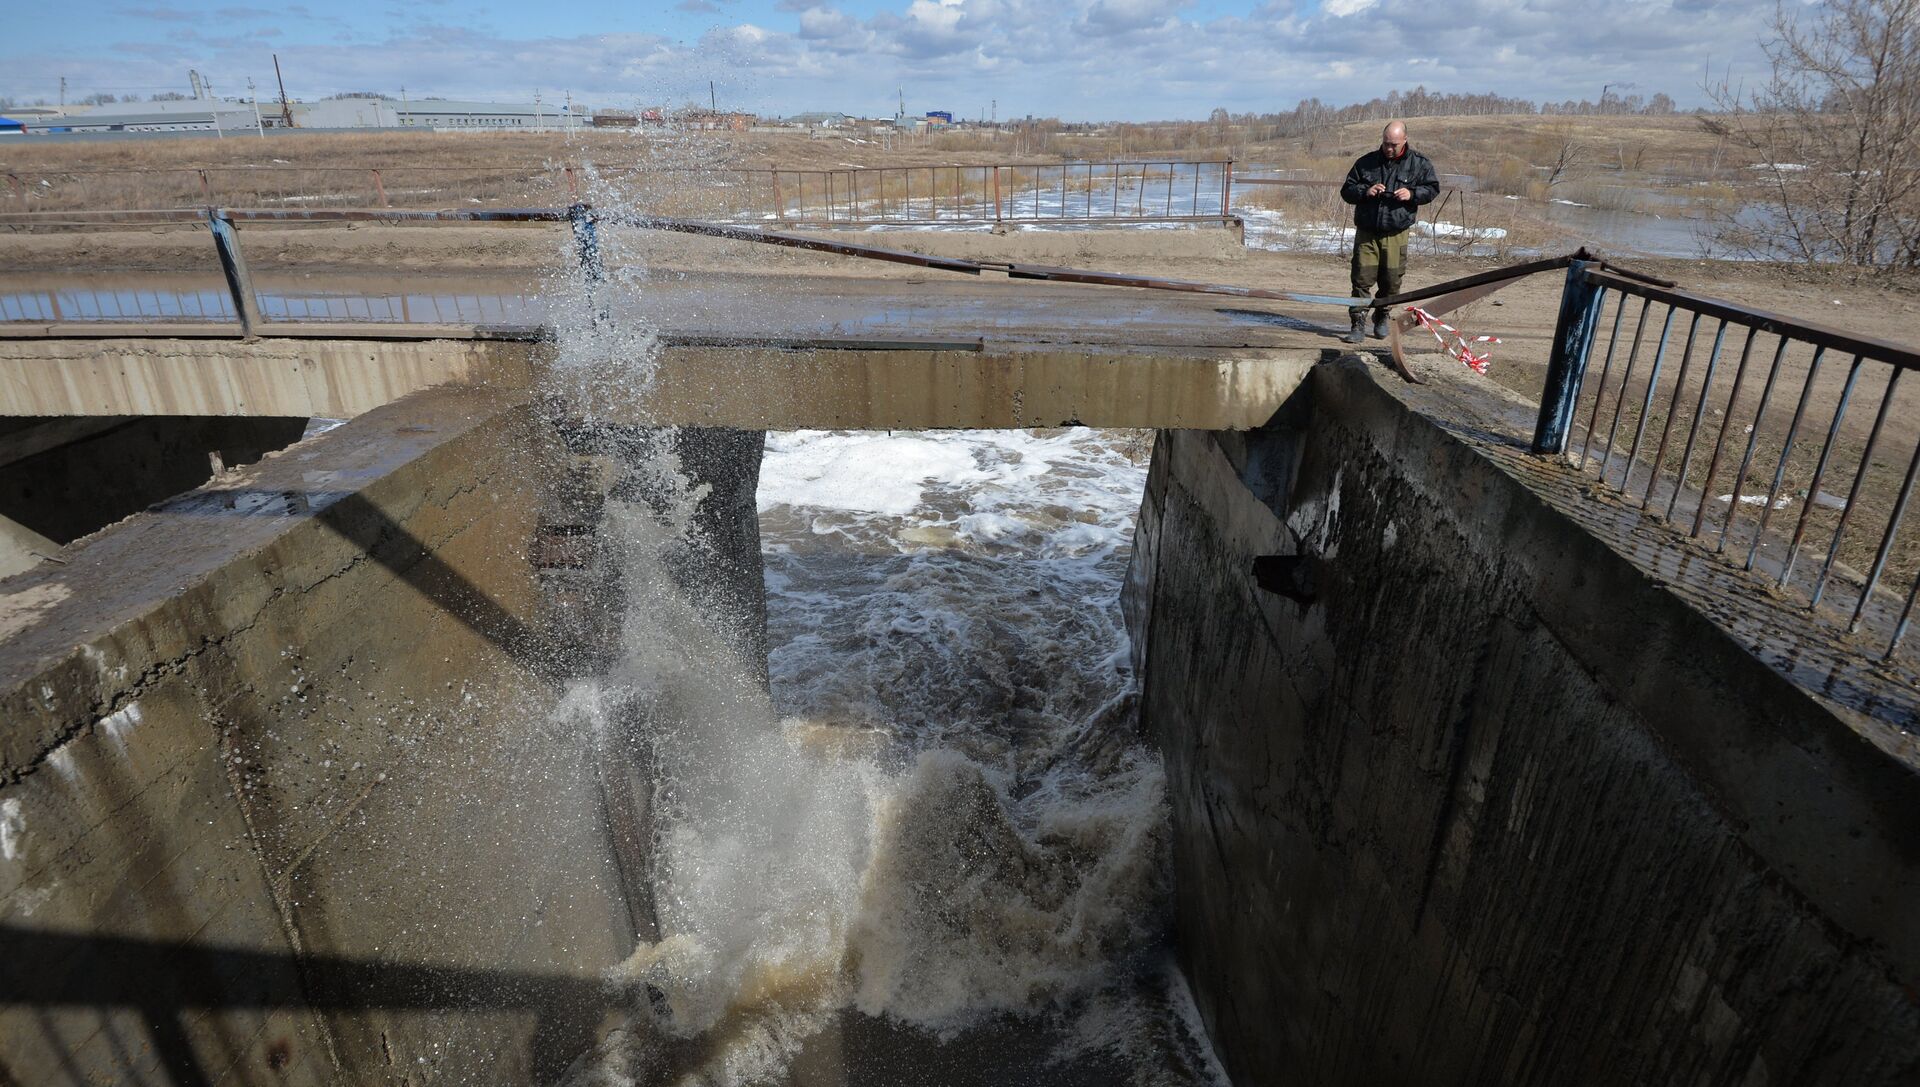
pixel 568 123
pixel 254 96
pixel 63 92
pixel 713 98
pixel 286 114
pixel 539 119
pixel 213 107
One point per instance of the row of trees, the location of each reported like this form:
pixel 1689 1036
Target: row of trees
pixel 100 99
pixel 1312 114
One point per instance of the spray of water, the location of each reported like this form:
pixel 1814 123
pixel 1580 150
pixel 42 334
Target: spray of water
pixel 938 814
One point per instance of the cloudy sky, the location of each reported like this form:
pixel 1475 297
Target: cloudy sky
pixel 1076 59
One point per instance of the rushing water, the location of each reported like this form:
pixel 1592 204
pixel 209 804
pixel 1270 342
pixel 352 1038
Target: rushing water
pixel 935 849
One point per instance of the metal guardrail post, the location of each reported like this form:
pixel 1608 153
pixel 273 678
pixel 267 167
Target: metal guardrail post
pixel 593 268
pixel 1567 366
pixel 586 242
pixel 233 265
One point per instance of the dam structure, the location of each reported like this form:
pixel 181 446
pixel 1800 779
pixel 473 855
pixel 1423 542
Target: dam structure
pixel 1078 680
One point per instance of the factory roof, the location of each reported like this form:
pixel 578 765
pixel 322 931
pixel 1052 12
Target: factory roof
pixel 229 114
pixel 448 106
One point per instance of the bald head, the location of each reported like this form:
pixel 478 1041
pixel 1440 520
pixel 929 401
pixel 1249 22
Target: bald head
pixel 1393 139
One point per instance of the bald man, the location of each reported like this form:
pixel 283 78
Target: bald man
pixel 1386 187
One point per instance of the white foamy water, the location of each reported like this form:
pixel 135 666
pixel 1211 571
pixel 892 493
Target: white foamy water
pixel 943 819
pixel 939 819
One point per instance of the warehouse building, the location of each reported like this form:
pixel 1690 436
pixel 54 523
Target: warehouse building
pixel 437 113
pixel 186 115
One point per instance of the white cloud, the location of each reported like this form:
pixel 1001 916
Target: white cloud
pixel 1091 59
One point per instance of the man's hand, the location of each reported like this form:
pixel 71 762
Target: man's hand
pixel 1402 193
pixel 1377 189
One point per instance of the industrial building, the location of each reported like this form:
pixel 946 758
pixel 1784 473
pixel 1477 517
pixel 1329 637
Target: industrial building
pixel 438 113
pixel 184 115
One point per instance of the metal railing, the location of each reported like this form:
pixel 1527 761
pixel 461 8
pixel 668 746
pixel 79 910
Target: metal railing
pixel 271 186
pixel 1695 395
pixel 234 304
pixel 1079 192
pixel 249 310
pixel 1067 193
pixel 1445 226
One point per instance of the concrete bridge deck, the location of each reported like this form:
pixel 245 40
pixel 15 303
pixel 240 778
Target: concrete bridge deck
pixel 938 306
pixel 749 352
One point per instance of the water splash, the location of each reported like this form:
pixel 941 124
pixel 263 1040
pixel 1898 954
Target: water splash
pixel 939 814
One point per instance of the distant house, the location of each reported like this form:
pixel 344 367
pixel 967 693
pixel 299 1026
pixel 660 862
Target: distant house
pixel 820 120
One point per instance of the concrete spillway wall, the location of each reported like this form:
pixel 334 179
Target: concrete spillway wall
pixel 1470 799
pixel 281 798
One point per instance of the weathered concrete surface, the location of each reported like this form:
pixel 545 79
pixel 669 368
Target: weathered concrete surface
pixel 1002 386
pixel 334 379
pixel 279 757
pixel 21 548
pixel 1487 803
pixel 741 387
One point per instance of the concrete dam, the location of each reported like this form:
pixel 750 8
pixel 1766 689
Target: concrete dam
pixel 1155 700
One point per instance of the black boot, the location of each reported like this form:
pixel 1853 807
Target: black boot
pixel 1359 331
pixel 1379 324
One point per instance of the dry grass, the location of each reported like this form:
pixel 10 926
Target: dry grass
pixel 725 175
pixel 1617 163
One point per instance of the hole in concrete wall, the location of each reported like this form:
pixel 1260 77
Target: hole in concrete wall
pixel 63 478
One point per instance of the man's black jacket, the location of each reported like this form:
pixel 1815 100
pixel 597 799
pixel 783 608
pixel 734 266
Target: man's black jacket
pixel 1383 214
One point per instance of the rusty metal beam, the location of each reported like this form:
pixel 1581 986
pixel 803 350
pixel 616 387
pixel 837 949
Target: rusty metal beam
pixel 1403 322
pixel 794 241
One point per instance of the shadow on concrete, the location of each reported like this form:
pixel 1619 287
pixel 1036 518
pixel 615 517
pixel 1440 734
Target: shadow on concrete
pixel 388 543
pixel 166 981
pixel 354 518
pixel 1276 320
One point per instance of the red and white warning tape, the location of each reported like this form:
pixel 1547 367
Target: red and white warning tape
pixel 1461 348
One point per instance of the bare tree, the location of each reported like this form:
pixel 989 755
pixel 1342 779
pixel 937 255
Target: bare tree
pixel 1569 155
pixel 1832 130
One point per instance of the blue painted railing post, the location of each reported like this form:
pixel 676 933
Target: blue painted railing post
pixel 233 265
pixel 1567 366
